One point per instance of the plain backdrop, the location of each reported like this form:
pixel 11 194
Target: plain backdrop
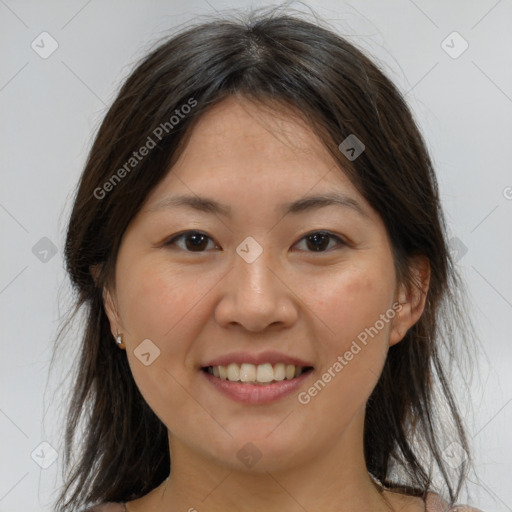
pixel 450 59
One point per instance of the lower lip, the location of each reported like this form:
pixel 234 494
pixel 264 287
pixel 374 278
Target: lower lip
pixel 255 393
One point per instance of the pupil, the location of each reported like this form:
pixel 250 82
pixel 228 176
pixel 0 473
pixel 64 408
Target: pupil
pixel 198 242
pixel 323 238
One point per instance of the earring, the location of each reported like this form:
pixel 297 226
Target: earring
pixel 119 341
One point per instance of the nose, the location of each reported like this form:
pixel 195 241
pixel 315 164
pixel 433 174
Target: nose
pixel 255 296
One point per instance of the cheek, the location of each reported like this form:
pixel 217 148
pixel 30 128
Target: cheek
pixel 168 306
pixel 352 301
pixel 353 340
pixel 155 299
pixel 155 303
pixel 353 309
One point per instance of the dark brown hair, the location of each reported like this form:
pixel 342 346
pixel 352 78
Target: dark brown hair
pixel 271 58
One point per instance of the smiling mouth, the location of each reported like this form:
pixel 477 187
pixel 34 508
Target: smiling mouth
pixel 263 374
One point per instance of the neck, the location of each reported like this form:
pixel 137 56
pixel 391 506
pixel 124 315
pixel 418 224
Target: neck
pixel 334 481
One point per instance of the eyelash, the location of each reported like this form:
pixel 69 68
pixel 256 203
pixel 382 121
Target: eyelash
pixel 340 241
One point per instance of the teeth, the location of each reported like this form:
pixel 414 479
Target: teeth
pixel 279 371
pixel 265 373
pixel 233 372
pixel 261 374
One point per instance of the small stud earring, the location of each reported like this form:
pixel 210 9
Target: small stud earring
pixel 119 341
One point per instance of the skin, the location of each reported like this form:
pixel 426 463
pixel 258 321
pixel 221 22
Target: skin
pixel 195 306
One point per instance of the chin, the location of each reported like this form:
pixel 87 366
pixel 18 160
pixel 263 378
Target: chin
pixel 263 453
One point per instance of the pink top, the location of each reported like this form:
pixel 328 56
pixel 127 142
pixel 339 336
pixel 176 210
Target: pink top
pixel 434 503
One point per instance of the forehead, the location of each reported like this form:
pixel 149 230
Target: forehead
pixel 252 169
pixel 235 129
pixel 239 143
pixel 245 161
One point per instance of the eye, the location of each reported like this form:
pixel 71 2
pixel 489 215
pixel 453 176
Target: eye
pixel 317 241
pixel 195 241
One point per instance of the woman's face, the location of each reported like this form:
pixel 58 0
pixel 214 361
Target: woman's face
pixel 195 284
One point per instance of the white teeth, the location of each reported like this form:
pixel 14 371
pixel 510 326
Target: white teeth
pixel 233 372
pixel 265 373
pixel 262 373
pixel 247 372
pixel 279 371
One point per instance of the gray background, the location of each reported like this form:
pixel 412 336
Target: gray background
pixel 50 108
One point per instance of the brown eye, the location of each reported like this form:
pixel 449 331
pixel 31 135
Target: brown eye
pixel 195 241
pixel 319 241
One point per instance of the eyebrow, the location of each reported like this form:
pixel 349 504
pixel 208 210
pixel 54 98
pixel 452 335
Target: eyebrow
pixel 305 204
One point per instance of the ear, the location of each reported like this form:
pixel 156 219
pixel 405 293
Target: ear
pixel 95 272
pixel 412 298
pixel 111 310
pixel 109 302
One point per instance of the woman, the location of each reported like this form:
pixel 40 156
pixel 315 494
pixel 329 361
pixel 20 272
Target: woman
pixel 259 245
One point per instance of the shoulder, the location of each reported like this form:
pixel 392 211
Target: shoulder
pixel 434 503
pixel 109 506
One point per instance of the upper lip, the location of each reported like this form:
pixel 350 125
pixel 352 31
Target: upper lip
pixel 269 356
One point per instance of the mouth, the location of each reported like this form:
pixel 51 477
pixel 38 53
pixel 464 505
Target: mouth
pixel 262 384
pixel 257 375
